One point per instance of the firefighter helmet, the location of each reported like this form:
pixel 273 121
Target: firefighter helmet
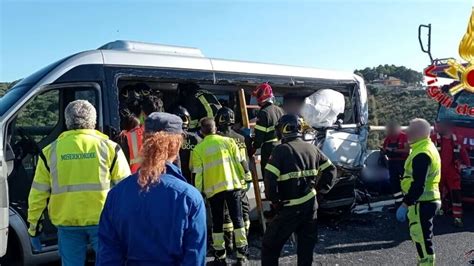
pixel 263 93
pixel 184 115
pixel 225 117
pixel 289 126
pixel 143 89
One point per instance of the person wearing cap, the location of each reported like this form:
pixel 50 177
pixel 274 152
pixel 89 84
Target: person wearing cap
pixel 154 217
pixel 267 118
pixel 72 179
pixel 216 163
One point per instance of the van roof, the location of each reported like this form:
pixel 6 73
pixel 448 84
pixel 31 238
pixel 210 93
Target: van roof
pixel 157 55
pixel 143 47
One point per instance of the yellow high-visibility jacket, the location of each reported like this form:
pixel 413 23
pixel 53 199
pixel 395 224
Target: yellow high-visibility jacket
pixel 216 163
pixel 431 188
pixel 74 177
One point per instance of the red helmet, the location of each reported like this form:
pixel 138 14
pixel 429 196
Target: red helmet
pixel 263 92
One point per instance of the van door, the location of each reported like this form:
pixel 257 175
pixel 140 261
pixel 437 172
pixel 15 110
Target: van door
pixel 3 202
pixel 39 122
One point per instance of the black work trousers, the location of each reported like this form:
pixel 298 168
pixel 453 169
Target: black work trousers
pixel 231 199
pixel 396 170
pixel 244 201
pixel 265 153
pixel 299 219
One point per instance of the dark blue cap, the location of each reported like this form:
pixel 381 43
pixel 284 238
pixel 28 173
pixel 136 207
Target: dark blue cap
pixel 163 122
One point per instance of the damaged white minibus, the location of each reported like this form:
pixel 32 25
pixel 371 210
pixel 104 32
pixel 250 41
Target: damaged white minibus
pixel 31 116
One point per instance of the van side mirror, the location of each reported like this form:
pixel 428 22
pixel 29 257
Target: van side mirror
pixel 425 48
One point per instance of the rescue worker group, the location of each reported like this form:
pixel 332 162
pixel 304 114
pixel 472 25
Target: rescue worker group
pixel 143 198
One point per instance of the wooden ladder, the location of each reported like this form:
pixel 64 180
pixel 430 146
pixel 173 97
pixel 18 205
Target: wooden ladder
pixel 244 107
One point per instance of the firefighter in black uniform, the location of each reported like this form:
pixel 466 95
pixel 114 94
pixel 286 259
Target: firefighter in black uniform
pixel 199 103
pixel 225 119
pixel 267 118
pixel 293 175
pixel 190 140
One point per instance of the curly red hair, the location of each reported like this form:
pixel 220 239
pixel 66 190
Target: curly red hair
pixel 157 149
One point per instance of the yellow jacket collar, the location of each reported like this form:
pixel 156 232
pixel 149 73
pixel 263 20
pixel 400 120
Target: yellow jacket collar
pixel 419 143
pixel 83 131
pixel 213 136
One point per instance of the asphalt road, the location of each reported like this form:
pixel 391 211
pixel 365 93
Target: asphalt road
pixel 378 239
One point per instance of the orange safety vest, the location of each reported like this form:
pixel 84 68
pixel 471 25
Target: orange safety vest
pixel 135 142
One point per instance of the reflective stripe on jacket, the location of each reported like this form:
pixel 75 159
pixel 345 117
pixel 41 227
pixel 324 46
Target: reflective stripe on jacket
pixel 267 118
pixel 431 188
pixel 240 141
pixel 135 142
pixel 295 171
pixel 205 104
pixel 216 163
pixel 456 146
pixel 73 182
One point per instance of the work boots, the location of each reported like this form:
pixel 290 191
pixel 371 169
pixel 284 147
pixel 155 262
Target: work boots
pixel 242 262
pixel 242 254
pixel 219 258
pixel 428 261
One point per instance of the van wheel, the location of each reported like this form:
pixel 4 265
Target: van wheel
pixel 14 256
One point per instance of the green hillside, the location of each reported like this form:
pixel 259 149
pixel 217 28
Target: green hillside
pixel 3 87
pixel 30 116
pixel 407 75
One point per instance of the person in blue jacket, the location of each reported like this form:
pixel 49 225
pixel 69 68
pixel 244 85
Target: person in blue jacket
pixel 154 217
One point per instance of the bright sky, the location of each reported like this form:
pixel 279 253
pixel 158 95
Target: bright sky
pixel 328 34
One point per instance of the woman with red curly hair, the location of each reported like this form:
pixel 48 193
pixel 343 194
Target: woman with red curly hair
pixel 154 217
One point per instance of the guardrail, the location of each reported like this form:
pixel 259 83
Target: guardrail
pixel 382 128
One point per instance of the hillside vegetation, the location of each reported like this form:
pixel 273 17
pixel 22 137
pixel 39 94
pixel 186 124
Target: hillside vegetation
pixel 407 75
pixel 3 87
pixel 29 116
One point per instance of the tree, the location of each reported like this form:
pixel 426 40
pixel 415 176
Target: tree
pixel 401 72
